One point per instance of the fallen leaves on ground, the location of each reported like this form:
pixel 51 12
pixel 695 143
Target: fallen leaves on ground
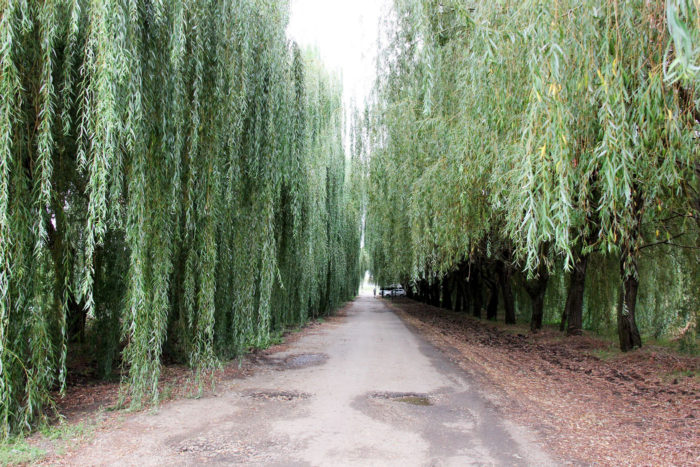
pixel 639 408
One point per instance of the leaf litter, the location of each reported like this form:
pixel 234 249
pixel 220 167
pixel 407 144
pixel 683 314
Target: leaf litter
pixel 639 408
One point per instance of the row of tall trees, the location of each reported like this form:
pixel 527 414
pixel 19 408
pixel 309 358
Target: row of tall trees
pixel 516 145
pixel 173 185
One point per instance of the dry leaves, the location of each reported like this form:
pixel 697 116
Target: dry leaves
pixel 640 408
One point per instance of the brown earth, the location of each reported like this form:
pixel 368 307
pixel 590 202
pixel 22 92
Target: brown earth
pixel 639 408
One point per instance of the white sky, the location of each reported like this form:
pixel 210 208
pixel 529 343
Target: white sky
pixel 345 32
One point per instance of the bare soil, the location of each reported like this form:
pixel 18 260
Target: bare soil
pixel 639 408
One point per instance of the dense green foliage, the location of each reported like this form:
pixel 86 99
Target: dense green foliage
pixel 515 142
pixel 173 185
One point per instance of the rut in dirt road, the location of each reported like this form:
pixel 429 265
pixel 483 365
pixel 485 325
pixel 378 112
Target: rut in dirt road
pixel 361 390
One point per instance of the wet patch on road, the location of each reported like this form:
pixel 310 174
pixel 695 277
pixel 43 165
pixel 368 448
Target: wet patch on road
pixel 404 397
pixel 294 361
pixel 304 360
pixel 277 395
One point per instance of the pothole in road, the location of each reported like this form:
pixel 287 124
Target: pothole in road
pixel 278 395
pixel 303 360
pixel 292 362
pixel 404 397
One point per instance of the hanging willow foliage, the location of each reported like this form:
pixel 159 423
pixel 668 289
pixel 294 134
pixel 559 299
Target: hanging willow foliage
pixel 512 140
pixel 173 184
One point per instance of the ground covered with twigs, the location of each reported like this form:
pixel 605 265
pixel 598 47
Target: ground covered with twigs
pixel 589 403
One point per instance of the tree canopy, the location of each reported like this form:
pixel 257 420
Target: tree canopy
pixel 173 184
pixel 514 140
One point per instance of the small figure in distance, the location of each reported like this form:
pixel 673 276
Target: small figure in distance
pixel 375 292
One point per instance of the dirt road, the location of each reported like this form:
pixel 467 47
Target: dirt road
pixel 364 390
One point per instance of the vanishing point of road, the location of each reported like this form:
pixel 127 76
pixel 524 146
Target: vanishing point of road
pixel 361 390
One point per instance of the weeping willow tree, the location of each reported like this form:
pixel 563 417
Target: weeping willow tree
pixel 513 140
pixel 173 185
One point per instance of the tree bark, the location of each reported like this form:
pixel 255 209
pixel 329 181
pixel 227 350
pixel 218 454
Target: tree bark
pixel 626 323
pixel 627 306
pixel 492 307
pixel 574 299
pixel 446 285
pixel 475 292
pixel 504 277
pixel 536 290
pixel 460 296
pixel 562 321
pixel 425 292
pixel 435 293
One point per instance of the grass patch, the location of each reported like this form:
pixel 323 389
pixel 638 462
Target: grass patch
pixel 675 376
pixel 65 431
pixel 605 354
pixel 56 438
pixel 414 400
pixel 18 451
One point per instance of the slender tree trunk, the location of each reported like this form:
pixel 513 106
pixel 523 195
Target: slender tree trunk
pixel 466 295
pixel 492 307
pixel 435 293
pixel 446 284
pixel 461 303
pixel 454 293
pixel 475 292
pixel 626 323
pixel 423 291
pixel 458 295
pixel 562 321
pixel 574 299
pixel 461 293
pixel 536 290
pixel 504 277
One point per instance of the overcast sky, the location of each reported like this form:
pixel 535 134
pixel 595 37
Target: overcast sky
pixel 345 32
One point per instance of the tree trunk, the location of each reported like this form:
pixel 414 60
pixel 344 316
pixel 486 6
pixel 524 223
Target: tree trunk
pixel 454 292
pixel 536 290
pixel 626 325
pixel 562 322
pixel 574 299
pixel 435 293
pixel 504 277
pixel 446 285
pixel 425 292
pixel 461 303
pixel 466 295
pixel 459 294
pixel 492 307
pixel 475 292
